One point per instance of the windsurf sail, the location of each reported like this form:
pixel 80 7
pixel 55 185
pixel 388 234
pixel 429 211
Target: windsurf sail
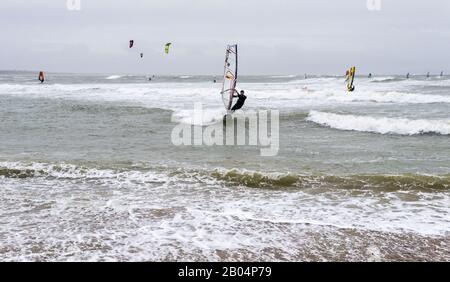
pixel 351 79
pixel 167 47
pixel 131 43
pixel 41 77
pixel 230 76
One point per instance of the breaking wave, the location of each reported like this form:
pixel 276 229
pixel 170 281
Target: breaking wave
pixel 393 97
pixel 383 125
pixel 204 117
pixel 112 77
pixel 378 182
pixel 386 79
pixel 283 76
pixel 141 174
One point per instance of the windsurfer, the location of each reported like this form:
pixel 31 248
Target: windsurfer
pixel 41 77
pixel 241 100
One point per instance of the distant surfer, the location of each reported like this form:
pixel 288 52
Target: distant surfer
pixel 370 75
pixel 442 73
pixel 240 102
pixel 428 74
pixel 407 75
pixel 41 77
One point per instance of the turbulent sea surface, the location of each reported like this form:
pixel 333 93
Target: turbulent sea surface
pixel 88 171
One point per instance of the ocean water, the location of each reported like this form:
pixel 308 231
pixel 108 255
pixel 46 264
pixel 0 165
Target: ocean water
pixel 88 171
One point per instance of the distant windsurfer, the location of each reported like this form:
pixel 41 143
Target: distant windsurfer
pixel 348 78
pixel 41 77
pixel 241 100
pixel 407 75
pixel 370 75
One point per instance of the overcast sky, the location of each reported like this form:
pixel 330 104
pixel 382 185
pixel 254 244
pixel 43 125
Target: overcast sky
pixel 274 36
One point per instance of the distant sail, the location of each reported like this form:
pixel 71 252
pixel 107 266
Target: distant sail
pixel 351 79
pixel 131 43
pixel 230 76
pixel 41 77
pixel 167 47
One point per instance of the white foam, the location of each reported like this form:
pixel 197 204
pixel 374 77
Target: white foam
pixel 206 117
pixel 78 213
pixel 176 96
pixel 283 76
pixel 381 125
pixel 395 97
pixel 112 77
pixel 383 79
pixel 70 171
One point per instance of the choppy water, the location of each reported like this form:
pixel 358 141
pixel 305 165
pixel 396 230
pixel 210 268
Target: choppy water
pixel 88 170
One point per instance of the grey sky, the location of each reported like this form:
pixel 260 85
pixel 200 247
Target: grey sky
pixel 274 36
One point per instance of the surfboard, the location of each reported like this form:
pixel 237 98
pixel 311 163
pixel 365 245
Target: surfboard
pixel 230 76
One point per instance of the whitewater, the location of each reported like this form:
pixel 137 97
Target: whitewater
pixel 88 171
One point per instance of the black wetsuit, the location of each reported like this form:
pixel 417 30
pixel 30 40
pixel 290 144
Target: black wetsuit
pixel 240 102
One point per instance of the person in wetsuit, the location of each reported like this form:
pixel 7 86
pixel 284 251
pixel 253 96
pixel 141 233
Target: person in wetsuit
pixel 41 77
pixel 240 102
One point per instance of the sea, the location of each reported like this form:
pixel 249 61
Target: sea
pixel 89 170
